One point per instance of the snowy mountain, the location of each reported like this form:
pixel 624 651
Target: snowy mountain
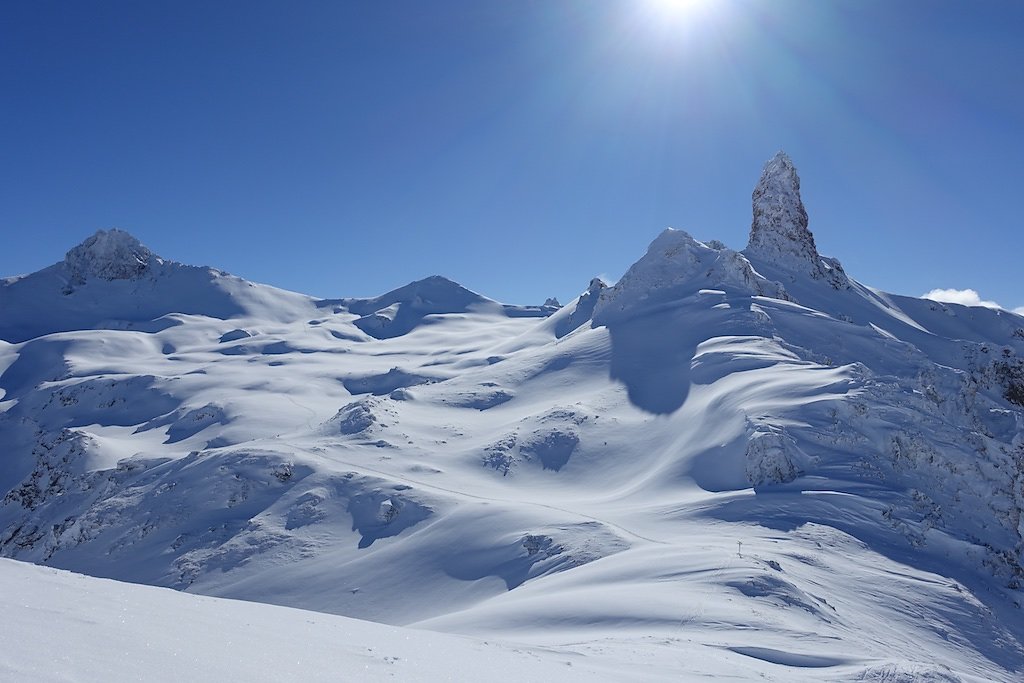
pixel 730 463
pixel 111 281
pixel 402 310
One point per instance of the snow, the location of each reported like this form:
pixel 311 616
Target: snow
pixel 423 302
pixel 676 264
pixel 729 465
pixel 59 626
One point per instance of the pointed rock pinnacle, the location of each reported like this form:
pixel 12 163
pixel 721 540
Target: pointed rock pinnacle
pixel 779 233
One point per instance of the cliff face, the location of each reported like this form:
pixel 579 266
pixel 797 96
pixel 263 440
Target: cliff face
pixel 779 232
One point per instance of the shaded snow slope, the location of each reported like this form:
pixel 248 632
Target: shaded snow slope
pixel 737 452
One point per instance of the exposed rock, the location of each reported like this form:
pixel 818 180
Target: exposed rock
pixel 354 418
pixel 385 383
pixel 772 458
pixel 779 233
pixel 109 255
pixel 234 335
pixel 584 309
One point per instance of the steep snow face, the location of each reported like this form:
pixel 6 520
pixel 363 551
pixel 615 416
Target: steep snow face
pixel 578 312
pixel 109 255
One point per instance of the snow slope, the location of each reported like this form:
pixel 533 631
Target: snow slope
pixel 730 463
pixel 59 626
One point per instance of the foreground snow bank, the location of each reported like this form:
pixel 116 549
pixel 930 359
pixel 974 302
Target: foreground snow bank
pixel 59 626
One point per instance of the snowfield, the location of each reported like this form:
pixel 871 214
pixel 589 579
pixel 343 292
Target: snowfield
pixel 730 465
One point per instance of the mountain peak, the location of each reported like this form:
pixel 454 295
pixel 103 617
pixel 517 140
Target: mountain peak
pixel 433 294
pixel 109 255
pixel 779 233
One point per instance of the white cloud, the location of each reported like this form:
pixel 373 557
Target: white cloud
pixel 967 297
pixel 1019 310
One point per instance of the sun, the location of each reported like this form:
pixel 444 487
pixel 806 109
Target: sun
pixel 676 10
pixel 670 17
pixel 667 29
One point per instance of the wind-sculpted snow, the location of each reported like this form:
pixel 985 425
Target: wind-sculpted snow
pixel 674 267
pixel 355 418
pixel 773 468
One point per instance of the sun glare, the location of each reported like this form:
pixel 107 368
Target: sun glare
pixel 677 10
pixel 670 17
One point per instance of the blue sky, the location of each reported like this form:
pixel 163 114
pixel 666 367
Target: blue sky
pixel 520 147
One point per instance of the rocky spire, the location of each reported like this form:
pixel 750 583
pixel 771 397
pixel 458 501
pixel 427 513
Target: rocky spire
pixel 108 255
pixel 779 233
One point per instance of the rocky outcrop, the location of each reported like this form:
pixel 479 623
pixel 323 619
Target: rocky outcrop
pixel 583 310
pixel 109 255
pixel 779 233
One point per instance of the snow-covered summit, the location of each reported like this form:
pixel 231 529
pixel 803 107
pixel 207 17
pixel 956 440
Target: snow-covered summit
pixel 109 255
pixel 675 266
pixel 579 311
pixel 781 250
pixel 434 294
pixel 400 311
pixel 112 281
